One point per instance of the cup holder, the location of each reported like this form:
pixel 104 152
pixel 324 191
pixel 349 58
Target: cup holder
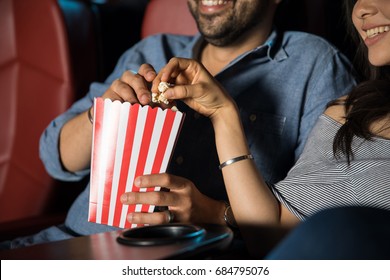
pixel 160 234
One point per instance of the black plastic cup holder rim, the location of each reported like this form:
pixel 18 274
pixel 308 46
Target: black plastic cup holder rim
pixel 160 234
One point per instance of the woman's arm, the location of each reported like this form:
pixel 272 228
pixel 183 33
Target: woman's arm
pixel 252 201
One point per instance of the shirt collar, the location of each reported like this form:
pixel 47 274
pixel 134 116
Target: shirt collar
pixel 193 48
pixel 275 50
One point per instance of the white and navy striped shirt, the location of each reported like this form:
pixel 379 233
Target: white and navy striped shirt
pixel 319 181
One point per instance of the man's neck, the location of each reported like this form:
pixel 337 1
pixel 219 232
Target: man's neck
pixel 216 58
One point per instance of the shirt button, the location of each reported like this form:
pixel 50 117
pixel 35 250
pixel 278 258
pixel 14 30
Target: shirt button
pixel 179 160
pixel 196 115
pixel 252 117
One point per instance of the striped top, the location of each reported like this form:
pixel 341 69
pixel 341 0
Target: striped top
pixel 319 181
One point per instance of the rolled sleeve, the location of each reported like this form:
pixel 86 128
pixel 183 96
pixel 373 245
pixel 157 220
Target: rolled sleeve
pixel 49 146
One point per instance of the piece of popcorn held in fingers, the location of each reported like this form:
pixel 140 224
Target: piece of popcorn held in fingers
pixel 163 86
pixel 159 97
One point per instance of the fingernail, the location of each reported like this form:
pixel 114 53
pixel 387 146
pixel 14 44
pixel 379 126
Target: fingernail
pixel 144 99
pixel 130 217
pixel 137 182
pixel 168 93
pixel 150 75
pixel 123 198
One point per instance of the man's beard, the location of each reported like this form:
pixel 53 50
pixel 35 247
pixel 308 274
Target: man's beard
pixel 222 35
pixel 231 28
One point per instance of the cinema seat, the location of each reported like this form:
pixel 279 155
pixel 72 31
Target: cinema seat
pixel 50 51
pixel 35 86
pixel 168 16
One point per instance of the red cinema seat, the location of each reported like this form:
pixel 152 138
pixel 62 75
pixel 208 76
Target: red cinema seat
pixel 168 16
pixel 35 87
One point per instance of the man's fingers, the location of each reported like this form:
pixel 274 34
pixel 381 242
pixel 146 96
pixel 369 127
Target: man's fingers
pixel 163 180
pixel 138 85
pixel 151 218
pixel 160 198
pixel 147 71
pixel 123 91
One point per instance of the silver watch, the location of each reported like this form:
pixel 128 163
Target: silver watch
pixel 229 217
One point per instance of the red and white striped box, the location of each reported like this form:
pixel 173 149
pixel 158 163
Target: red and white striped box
pixel 128 141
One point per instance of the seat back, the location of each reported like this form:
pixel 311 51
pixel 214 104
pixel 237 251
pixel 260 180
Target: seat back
pixel 80 24
pixel 35 87
pixel 168 16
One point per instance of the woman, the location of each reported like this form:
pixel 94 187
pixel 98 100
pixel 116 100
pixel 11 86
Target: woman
pixel 346 161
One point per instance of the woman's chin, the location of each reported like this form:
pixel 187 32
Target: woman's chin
pixel 379 60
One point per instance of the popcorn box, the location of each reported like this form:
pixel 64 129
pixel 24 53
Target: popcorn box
pixel 128 141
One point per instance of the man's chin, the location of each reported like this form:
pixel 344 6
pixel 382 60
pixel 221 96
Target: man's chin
pixel 220 40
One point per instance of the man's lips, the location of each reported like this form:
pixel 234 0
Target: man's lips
pixel 211 6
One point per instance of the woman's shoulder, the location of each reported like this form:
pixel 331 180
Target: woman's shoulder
pixel 336 110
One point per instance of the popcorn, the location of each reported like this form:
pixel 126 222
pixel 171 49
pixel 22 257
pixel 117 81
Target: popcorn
pixel 163 86
pixel 159 97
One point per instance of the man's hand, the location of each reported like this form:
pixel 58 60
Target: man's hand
pixel 182 198
pixel 132 87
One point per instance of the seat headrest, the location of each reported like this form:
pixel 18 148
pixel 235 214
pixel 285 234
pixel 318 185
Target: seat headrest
pixel 168 16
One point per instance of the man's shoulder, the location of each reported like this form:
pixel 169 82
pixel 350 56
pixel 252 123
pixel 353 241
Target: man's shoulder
pixel 307 41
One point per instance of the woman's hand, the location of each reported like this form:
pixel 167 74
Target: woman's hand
pixel 195 86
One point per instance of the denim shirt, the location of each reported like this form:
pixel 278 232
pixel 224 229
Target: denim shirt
pixel 280 87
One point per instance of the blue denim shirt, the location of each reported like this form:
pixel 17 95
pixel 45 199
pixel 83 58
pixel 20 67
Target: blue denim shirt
pixel 281 88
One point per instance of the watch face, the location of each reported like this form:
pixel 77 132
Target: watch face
pixel 229 217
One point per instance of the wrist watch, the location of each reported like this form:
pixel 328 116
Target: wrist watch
pixel 229 217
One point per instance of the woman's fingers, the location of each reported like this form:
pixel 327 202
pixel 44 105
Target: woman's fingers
pixel 180 71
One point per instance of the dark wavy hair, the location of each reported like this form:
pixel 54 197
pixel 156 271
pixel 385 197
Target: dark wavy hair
pixel 368 102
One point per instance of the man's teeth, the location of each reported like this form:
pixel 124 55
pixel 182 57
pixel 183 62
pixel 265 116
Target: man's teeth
pixel 213 2
pixel 377 30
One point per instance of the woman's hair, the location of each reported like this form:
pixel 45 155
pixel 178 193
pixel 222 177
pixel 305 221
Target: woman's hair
pixel 368 102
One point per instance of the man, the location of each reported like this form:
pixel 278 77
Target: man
pixel 280 81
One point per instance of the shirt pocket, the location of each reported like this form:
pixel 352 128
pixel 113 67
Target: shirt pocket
pixel 263 124
pixel 264 132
